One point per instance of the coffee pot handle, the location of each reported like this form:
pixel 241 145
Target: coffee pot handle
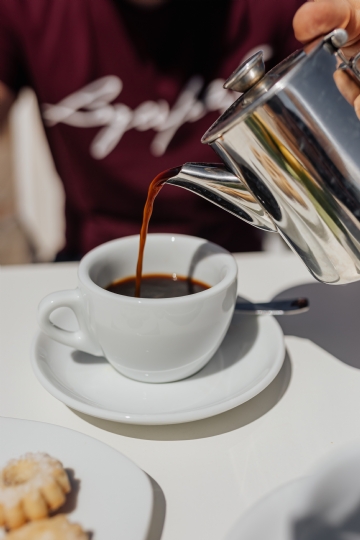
pixel 80 339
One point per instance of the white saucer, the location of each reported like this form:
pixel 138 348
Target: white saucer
pixel 248 360
pixel 111 496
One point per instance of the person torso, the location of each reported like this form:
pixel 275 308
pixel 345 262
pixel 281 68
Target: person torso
pixel 126 92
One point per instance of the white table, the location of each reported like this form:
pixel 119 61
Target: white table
pixel 205 473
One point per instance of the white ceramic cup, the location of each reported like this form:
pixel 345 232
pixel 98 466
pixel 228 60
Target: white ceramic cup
pixel 150 340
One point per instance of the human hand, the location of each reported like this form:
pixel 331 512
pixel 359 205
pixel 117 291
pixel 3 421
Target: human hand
pixel 319 17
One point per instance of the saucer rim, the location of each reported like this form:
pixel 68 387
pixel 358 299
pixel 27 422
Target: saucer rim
pixel 181 417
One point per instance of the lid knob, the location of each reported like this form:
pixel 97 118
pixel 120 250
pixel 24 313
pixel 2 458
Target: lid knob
pixel 339 38
pixel 247 74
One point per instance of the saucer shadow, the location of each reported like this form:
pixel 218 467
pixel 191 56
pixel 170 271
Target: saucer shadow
pixel 332 322
pixel 226 422
pixel 159 511
pixel 81 357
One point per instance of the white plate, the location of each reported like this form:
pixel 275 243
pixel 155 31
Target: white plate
pixel 273 517
pixel 114 497
pixel 248 360
pixel 322 506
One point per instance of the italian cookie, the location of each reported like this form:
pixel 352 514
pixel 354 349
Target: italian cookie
pixel 31 487
pixel 55 528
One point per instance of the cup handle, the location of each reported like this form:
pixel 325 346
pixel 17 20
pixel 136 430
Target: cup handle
pixel 81 339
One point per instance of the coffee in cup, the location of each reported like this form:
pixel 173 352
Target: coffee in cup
pixel 158 286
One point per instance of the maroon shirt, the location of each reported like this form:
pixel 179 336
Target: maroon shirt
pixel 126 92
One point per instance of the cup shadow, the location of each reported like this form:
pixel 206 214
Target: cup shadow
pixel 332 321
pixel 81 357
pixel 226 422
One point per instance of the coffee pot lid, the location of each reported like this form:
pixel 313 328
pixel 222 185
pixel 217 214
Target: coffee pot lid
pixel 258 87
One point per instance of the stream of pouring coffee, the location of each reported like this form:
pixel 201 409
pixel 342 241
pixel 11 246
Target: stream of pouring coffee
pixel 154 189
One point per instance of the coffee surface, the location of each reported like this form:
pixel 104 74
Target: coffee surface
pixel 158 286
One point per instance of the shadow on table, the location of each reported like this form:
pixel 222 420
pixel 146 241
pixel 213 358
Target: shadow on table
pixel 209 427
pixel 315 527
pixel 159 512
pixel 333 321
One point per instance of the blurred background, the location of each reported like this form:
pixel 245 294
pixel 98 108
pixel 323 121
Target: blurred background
pixel 32 223
pixel 113 121
pixel 32 220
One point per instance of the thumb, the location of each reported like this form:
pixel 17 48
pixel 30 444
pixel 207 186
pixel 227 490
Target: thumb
pixel 315 19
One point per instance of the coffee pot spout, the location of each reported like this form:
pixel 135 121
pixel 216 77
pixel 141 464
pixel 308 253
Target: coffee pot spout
pixel 216 183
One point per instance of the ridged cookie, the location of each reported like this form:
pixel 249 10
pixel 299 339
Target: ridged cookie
pixel 56 528
pixel 30 487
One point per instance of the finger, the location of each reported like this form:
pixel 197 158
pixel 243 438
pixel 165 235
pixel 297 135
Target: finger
pixel 351 50
pixel 348 88
pixel 314 19
pixel 357 106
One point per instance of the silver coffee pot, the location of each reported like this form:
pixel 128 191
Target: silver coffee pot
pixel 291 149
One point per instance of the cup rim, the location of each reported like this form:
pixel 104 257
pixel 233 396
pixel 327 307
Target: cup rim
pixel 88 260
